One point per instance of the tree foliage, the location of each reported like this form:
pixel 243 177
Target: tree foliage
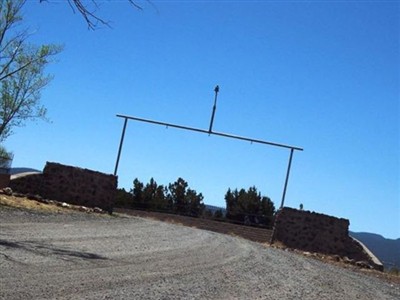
pixel 249 206
pixel 218 214
pixel 177 198
pixel 185 200
pixel 242 206
pixel 123 198
pixel 5 159
pixel 152 196
pixel 22 67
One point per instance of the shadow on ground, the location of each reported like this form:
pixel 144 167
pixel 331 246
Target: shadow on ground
pixel 43 249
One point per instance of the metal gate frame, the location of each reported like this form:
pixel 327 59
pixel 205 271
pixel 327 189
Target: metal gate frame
pixel 210 132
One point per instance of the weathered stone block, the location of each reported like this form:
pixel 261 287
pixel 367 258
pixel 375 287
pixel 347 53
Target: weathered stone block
pixel 316 232
pixel 71 185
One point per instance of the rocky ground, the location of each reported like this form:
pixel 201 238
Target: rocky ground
pixel 75 255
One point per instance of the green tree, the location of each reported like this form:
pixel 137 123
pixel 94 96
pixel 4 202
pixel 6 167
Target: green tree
pixel 5 159
pixel 154 196
pixel 250 201
pixel 267 207
pixel 218 214
pixel 177 191
pixel 123 198
pixel 137 195
pixel 185 200
pixel 243 204
pixel 177 198
pixel 207 213
pixel 194 203
pixel 22 66
pixel 231 202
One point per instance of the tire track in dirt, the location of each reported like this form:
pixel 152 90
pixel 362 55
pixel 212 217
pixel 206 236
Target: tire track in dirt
pixel 77 256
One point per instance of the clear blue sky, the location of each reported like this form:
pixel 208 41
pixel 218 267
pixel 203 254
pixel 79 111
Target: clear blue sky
pixel 322 75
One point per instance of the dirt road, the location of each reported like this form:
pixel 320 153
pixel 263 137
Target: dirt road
pixel 80 256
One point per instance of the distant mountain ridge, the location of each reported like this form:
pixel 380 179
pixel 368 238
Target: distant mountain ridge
pixel 387 250
pixel 215 208
pixel 14 171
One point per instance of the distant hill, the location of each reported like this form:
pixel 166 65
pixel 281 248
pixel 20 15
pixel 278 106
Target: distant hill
pixel 387 250
pixel 14 171
pixel 215 208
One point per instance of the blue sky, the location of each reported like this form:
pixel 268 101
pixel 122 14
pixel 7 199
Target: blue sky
pixel 322 75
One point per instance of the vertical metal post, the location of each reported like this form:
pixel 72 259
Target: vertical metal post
pixel 216 90
pixel 287 177
pixel 120 147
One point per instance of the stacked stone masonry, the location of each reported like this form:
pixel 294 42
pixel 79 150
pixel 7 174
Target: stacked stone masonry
pixel 30 184
pixel 71 185
pixel 4 180
pixel 314 232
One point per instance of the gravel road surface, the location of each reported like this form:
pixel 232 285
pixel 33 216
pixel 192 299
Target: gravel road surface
pixel 81 256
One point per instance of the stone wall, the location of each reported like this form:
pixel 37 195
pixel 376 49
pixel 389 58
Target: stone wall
pixel 314 232
pixel 71 185
pixel 4 180
pixel 27 184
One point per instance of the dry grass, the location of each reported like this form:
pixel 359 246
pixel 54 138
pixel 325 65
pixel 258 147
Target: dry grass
pixel 25 203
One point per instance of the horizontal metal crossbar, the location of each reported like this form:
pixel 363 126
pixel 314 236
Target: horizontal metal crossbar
pixel 211 132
